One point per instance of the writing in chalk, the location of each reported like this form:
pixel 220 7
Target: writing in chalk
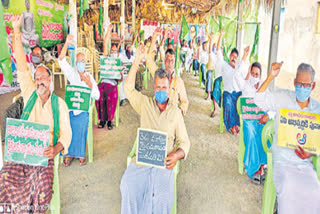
pixel 152 148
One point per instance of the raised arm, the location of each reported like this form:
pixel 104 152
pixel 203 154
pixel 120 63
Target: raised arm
pixel 210 42
pixel 220 39
pixel 119 44
pixel 151 64
pixel 18 47
pixel 106 40
pixel 135 98
pixel 275 70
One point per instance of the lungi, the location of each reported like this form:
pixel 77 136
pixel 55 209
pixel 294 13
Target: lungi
pixel 107 104
pixel 297 187
pixel 254 155
pixel 216 93
pixel 209 81
pixel 230 114
pixel 27 188
pixel 147 190
pixel 79 126
pixel 203 71
pixel 195 65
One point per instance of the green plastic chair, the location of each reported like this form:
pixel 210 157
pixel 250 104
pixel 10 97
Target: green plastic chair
pixel 241 148
pixel 221 125
pixel 132 154
pixel 269 192
pixel 55 200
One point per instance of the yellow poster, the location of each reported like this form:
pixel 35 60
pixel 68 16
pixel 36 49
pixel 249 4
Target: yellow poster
pixel 298 128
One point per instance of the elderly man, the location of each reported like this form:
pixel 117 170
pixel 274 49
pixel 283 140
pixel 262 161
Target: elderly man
pixel 78 120
pixel 177 93
pixel 29 188
pixel 148 189
pixel 230 93
pixel 294 177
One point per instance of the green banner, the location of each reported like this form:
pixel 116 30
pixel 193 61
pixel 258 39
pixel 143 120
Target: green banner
pixel 26 141
pixel 110 68
pixel 44 21
pixel 78 97
pixel 249 110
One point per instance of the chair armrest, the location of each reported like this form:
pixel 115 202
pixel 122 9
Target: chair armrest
pixel 267 135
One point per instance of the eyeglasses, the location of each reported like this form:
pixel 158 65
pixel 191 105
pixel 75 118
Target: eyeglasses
pixel 305 85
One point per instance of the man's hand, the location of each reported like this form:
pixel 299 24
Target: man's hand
pixel 264 119
pixel 245 53
pixel 171 160
pixel 52 151
pixel 157 32
pixel 69 40
pixel 211 36
pixel 302 154
pixel 86 78
pixel 16 21
pixel 140 54
pixel 275 69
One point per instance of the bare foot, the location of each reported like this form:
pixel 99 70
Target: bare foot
pixel 213 114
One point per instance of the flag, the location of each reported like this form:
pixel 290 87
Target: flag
pixel 5 57
pixel 184 29
pixel 84 5
pixel 100 25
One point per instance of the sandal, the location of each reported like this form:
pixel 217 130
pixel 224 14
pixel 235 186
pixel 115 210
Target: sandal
pixel 82 161
pixel 110 126
pixel 101 124
pixel 256 178
pixel 67 161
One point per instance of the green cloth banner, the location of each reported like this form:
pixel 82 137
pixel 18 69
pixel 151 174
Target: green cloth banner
pixel 100 26
pixel 254 55
pixel 26 141
pixel 249 33
pixel 45 24
pixel 110 68
pixel 5 62
pixel 184 29
pixel 249 110
pixel 78 97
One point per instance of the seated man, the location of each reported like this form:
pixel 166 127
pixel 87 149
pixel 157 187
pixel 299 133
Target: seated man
pixel 203 60
pixel 254 156
pixel 147 189
pixel 230 93
pixel 107 104
pixel 196 55
pixel 177 93
pixel 294 176
pixel 211 66
pixel 29 188
pixel 189 54
pixel 78 120
pixel 36 59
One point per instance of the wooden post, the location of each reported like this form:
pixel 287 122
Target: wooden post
pixel 122 20
pixel 273 50
pixel 73 27
pixel 239 27
pixel 133 16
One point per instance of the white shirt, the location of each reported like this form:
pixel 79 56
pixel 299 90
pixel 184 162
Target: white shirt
pixel 204 57
pixel 284 99
pixel 227 73
pixel 74 79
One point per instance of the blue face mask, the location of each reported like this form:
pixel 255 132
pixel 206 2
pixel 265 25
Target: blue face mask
pixel 302 93
pixel 80 66
pixel 161 96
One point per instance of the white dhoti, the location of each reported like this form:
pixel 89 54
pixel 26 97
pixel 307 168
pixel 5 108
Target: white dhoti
pixel 147 190
pixel 298 189
pixel 122 95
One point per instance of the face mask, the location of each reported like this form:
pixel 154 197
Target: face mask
pixel 80 66
pixel 302 93
pixel 253 80
pixel 36 59
pixel 161 96
pixel 113 55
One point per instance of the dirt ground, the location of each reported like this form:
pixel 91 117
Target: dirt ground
pixel 208 181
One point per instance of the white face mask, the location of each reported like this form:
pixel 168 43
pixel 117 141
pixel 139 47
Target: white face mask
pixel 113 55
pixel 253 80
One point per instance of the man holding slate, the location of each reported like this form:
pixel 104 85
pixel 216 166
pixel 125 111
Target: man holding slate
pixel 294 176
pixel 79 119
pixel 25 185
pixel 147 189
